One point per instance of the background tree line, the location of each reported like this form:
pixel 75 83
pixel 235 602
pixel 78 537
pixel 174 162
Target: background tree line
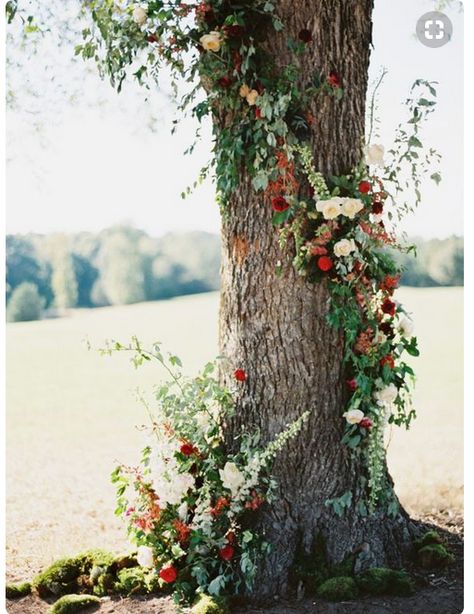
pixel 122 265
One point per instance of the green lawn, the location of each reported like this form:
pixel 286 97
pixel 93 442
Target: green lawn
pixel 71 414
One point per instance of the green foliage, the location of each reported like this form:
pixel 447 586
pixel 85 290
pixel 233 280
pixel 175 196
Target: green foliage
pixel 136 581
pixel 381 581
pixel 341 588
pixel 15 591
pixel 433 556
pixel 63 280
pixel 25 303
pixel 205 604
pixel 69 604
pixel 428 538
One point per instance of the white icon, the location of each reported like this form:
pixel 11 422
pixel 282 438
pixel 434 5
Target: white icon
pixel 434 29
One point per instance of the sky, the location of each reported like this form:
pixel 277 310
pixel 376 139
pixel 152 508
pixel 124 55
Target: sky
pixel 81 157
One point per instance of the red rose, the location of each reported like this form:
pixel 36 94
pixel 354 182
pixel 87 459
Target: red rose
pixel 377 208
pixel 168 574
pixel 351 385
pixel 389 307
pixel 364 187
pixel 234 31
pixel 152 38
pixel 325 263
pixel 231 537
pixel 387 360
pixel 258 113
pixel 387 329
pixel 226 553
pixel 366 423
pixel 225 81
pixel 279 204
pixel 333 80
pixel 187 449
pixel 240 375
pixel 305 36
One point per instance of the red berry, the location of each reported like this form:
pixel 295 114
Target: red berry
pixel 325 263
pixel 365 187
pixel 240 375
pixel 226 553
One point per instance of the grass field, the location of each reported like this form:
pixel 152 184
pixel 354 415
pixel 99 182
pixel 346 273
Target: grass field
pixel 71 414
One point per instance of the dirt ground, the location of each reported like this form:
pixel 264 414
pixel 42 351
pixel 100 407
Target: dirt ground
pixel 438 592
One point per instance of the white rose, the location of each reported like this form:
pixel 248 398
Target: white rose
pixel 145 556
pixel 354 416
pixel 387 395
pixel 329 208
pixel 406 327
pixel 351 206
pixel 344 247
pixel 139 15
pixel 375 155
pixel 231 477
pixel 211 41
pixel 183 511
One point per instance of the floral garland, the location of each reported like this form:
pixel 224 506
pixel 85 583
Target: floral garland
pixel 189 504
pixel 340 233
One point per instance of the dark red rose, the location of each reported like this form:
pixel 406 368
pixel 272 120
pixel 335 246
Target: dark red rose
pixel 357 266
pixel 259 87
pixel 389 307
pixel 377 208
pixel 279 204
pixel 237 60
pixel 366 423
pixel 231 537
pixel 225 81
pixel 240 375
pixel 168 573
pixel 351 385
pixel 325 263
pixel 364 187
pixel 305 36
pixel 226 553
pixel 387 329
pixel 258 113
pixel 234 31
pixel 187 449
pixel 333 80
pixel 387 360
pixel 152 38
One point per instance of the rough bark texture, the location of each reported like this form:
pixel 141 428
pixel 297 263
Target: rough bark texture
pixel 275 326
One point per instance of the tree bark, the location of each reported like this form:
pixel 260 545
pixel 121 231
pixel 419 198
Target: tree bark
pixel 274 326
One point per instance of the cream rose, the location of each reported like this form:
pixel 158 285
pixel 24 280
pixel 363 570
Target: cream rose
pixel 351 206
pixel 354 416
pixel 329 208
pixel 344 247
pixel 231 477
pixel 139 15
pixel 211 41
pixel 145 556
pixel 375 154
pixel 244 90
pixel 405 326
pixel 387 395
pixel 252 97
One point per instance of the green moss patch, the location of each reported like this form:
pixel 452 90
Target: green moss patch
pixel 15 591
pixel 433 556
pixel 342 588
pixel 136 581
pixel 205 604
pixel 73 603
pixel 431 537
pixel 384 581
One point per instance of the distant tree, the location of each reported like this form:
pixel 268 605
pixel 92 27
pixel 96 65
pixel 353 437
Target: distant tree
pixel 86 276
pixel 63 281
pixel 24 265
pixel 121 265
pixel 25 303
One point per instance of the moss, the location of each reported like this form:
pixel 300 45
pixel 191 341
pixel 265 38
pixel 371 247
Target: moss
pixel 341 588
pixel 67 575
pixel 434 555
pixel 431 537
pixel 73 603
pixel 15 591
pixel 205 604
pixel 380 580
pixel 345 568
pixel 136 581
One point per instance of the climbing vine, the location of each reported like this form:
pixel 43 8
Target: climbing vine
pixel 339 230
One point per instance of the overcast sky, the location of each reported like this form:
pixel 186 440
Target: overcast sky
pixel 85 166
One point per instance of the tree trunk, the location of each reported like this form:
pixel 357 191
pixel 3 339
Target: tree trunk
pixel 274 326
